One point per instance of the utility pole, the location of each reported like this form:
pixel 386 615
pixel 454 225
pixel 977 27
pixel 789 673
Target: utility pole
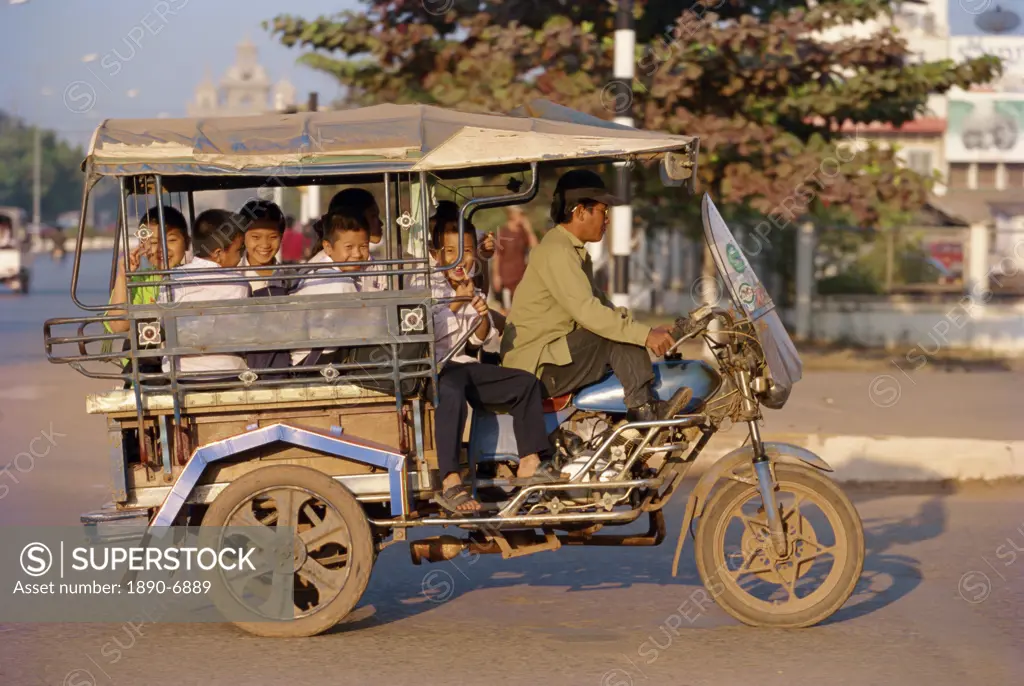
pixel 314 191
pixel 622 216
pixel 37 171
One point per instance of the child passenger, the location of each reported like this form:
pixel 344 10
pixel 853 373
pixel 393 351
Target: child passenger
pixel 464 379
pixel 217 243
pixel 264 226
pixel 152 249
pixel 358 202
pixel 346 238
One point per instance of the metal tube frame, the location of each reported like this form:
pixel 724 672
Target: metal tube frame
pixel 396 261
pixel 685 421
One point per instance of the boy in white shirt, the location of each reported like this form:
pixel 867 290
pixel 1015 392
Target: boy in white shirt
pixel 463 379
pixel 359 202
pixel 346 238
pixel 363 202
pixel 217 242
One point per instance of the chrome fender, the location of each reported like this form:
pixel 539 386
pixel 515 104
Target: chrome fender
pixel 726 466
pixel 332 442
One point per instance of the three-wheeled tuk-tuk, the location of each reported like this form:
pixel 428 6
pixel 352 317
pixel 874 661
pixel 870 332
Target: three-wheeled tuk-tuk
pixel 15 250
pixel 344 452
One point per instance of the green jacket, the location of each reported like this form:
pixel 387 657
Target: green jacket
pixel 147 295
pixel 556 296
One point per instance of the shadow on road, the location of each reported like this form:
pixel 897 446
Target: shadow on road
pixel 399 590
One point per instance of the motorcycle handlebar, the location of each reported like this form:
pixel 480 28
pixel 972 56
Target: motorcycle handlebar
pixel 696 323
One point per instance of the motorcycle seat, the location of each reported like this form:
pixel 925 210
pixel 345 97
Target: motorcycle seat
pixel 557 403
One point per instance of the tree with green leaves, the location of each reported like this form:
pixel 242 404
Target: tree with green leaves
pixel 756 81
pixel 60 171
pixel 766 94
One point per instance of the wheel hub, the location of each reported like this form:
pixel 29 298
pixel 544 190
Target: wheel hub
pixel 800 538
pixel 299 554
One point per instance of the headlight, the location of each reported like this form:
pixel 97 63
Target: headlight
pixel 775 397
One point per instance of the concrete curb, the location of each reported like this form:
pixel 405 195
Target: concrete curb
pixel 896 458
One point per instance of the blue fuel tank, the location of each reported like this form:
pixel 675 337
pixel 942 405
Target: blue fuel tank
pixel 607 395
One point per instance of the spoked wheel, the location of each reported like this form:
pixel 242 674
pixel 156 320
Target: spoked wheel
pixel 333 552
pixel 814 576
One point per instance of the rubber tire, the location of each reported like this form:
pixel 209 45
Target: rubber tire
pixel 717 510
pixel 361 553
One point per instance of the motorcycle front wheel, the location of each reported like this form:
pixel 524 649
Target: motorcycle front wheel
pixel 812 578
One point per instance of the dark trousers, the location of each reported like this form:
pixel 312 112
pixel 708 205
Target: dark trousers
pixel 486 386
pixel 592 358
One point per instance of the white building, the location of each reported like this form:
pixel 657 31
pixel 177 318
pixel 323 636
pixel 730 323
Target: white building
pixel 244 89
pixel 973 139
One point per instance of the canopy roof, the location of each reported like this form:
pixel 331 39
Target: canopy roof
pixel 395 138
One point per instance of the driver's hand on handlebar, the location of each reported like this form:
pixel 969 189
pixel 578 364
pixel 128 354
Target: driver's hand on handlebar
pixel 659 340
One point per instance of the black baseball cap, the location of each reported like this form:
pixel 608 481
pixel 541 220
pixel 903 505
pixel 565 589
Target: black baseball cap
pixel 583 184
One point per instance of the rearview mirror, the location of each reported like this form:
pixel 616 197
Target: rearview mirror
pixel 677 168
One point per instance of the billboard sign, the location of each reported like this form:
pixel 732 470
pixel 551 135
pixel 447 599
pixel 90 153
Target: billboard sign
pixel 985 18
pixel 984 127
pixel 1009 49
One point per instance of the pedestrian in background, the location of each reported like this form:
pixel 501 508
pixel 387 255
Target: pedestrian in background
pixel 515 240
pixel 295 242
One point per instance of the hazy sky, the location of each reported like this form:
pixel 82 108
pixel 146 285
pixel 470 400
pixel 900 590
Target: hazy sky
pixel 149 55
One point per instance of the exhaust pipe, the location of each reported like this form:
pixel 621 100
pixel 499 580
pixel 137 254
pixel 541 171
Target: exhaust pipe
pixel 441 548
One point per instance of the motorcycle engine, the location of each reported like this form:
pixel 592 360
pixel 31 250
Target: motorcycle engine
pixel 576 442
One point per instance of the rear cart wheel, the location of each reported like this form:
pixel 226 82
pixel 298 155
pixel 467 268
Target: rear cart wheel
pixel 813 578
pixel 334 551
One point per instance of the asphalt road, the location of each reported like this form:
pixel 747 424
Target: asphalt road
pixel 889 403
pixel 940 601
pixel 937 605
pixel 922 614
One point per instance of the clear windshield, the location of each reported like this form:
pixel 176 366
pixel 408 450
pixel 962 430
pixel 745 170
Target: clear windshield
pixel 751 298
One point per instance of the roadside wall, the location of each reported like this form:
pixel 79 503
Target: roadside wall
pixel 885 322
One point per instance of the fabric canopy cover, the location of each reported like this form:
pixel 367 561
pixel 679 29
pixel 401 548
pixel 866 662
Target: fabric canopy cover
pixel 406 138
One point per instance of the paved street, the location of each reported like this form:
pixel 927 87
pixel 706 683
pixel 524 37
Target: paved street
pixel 888 403
pixel 610 617
pixel 578 616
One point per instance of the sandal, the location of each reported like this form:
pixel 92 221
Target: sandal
pixel 451 498
pixel 545 474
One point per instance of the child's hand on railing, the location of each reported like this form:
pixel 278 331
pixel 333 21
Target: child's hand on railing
pixel 487 246
pixel 465 289
pixel 480 305
pixel 135 258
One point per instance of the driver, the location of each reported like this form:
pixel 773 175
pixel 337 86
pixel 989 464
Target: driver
pixel 563 328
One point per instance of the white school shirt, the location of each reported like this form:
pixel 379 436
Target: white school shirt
pixel 368 283
pixel 230 290
pixel 262 282
pixel 450 326
pixel 343 284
